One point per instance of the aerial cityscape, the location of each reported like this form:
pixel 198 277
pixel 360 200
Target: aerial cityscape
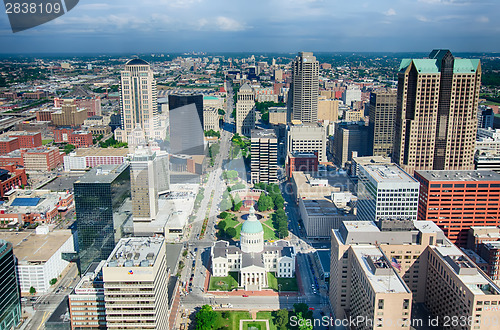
pixel 228 181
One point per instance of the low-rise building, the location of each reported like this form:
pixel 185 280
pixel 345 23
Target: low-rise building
pixel 74 136
pixel 210 119
pixel 301 162
pixel 277 115
pixel 39 256
pixel 11 177
pixel 36 206
pixel 42 159
pixel 84 158
pixel 320 216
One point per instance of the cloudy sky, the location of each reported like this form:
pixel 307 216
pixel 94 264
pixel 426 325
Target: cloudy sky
pixel 263 25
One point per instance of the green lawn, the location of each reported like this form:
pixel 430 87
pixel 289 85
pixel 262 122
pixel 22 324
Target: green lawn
pixel 267 316
pixel 238 231
pixel 269 222
pixel 44 142
pixel 269 234
pixel 224 283
pixel 230 222
pixel 233 320
pixel 254 325
pixel 287 283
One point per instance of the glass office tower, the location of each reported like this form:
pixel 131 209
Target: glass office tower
pixel 10 302
pixel 98 196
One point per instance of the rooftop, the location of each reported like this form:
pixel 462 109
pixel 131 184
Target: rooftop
pixel 323 207
pixel 100 152
pixel 135 252
pixel 485 175
pixel 378 271
pixel 388 173
pixel 263 134
pixel 36 248
pixel 102 174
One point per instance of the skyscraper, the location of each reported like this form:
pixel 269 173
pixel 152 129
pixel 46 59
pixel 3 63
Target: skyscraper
pixel 436 117
pixel 137 100
pixel 10 312
pixel 305 85
pixel 186 127
pixel 98 196
pixel 245 113
pixel 264 156
pixel 179 100
pixel 382 114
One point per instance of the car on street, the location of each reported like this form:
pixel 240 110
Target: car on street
pixel 245 295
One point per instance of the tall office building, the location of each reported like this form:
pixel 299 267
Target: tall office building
pixel 186 130
pixel 349 137
pixel 148 177
pixel 10 312
pixel 264 156
pixel 179 100
pixel 305 86
pixel 135 277
pixel 306 138
pixel 138 97
pixel 378 271
pixel 386 192
pixel 457 200
pixel 436 117
pixel 245 112
pixel 382 114
pixel 98 196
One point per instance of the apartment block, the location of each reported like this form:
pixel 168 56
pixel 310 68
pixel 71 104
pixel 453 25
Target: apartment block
pixel 264 156
pixel 458 200
pixel 386 192
pixel 436 117
pixel 408 262
pixel 135 280
pixel 210 119
pixel 42 159
pixel 382 115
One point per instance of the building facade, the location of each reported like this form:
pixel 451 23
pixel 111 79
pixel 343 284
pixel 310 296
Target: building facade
pixel 245 112
pixel 264 156
pixel 98 196
pixel 135 277
pixel 138 100
pixel 349 138
pixel 386 192
pixel 304 89
pixel 69 114
pixel 306 138
pixel 436 117
pixel 10 313
pixel 457 200
pixel 414 263
pixel 382 114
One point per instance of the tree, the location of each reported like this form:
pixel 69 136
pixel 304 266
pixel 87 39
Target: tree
pixel 53 281
pixel 303 308
pixel 237 206
pixel 221 112
pixel 224 215
pixel 226 204
pixel 304 323
pixel 206 318
pixel 230 175
pixel 238 186
pixel 265 203
pixel 231 232
pixel 32 290
pixel 282 319
pixel 69 148
pixel 221 225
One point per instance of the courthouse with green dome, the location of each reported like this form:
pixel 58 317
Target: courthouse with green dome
pixel 253 258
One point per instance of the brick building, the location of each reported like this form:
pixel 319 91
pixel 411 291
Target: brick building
pixel 27 139
pixel 8 144
pixel 301 162
pixel 458 200
pixel 11 177
pixel 78 138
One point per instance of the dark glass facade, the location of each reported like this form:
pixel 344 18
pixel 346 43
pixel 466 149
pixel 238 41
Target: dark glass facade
pixel 98 196
pixel 10 301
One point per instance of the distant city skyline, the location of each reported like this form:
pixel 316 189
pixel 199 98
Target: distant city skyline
pixel 277 25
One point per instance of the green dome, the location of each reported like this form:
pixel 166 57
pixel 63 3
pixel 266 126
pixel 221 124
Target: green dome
pixel 251 227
